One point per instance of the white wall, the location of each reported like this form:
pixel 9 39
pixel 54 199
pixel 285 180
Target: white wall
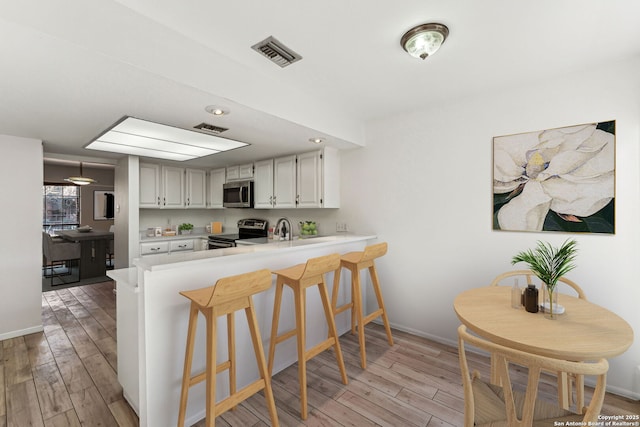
pixel 20 254
pixel 425 187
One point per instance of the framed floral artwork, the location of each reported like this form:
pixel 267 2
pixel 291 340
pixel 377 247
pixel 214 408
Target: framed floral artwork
pixel 556 180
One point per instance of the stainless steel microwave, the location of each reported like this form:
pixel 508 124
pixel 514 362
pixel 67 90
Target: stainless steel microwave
pixel 238 194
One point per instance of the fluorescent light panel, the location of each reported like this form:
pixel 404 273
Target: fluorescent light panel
pixel 148 139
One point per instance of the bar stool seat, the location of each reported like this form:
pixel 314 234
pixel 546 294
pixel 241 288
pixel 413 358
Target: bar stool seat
pixel 354 262
pixel 299 278
pixel 227 296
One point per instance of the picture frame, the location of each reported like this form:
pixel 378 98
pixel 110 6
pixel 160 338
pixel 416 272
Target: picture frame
pixel 103 205
pixel 560 179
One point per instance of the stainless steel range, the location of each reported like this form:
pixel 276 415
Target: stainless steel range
pixel 247 229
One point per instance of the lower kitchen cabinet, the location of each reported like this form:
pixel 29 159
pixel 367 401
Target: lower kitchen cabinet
pixel 167 246
pixel 152 248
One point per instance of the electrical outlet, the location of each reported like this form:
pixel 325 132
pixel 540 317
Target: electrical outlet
pixel 341 226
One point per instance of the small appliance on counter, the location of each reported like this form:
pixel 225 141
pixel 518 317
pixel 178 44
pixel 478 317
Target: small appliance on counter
pixel 248 228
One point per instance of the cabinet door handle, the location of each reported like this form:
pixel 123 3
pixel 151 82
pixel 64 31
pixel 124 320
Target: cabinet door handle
pixel 274 201
pixel 164 201
pixel 158 200
pixel 154 249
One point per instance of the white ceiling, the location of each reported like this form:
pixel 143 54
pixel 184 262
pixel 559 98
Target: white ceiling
pixel 73 68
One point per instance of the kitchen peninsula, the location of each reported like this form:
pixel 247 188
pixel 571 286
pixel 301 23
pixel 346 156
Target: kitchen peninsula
pixel 152 319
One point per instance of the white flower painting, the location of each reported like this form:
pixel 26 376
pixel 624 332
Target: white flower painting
pixel 555 180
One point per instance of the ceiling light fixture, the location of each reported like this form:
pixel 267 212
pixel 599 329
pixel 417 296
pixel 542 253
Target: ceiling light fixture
pixel 316 140
pixel 148 139
pixel 80 180
pixel 424 40
pixel 216 110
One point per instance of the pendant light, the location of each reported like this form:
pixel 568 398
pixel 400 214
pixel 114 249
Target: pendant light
pixel 80 180
pixel 424 40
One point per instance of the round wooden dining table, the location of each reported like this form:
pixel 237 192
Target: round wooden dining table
pixel 585 331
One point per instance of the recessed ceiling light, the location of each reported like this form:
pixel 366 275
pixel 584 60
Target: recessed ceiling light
pixel 316 140
pixel 143 138
pixel 216 110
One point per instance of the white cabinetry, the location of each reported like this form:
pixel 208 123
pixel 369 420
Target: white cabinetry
pixel 235 173
pixel 166 246
pixel 284 182
pixel 318 179
pixel 149 185
pixel 168 187
pixel 151 248
pixel 214 194
pixel 275 183
pixel 263 185
pixel 180 245
pixel 172 187
pixel 308 180
pixel 196 187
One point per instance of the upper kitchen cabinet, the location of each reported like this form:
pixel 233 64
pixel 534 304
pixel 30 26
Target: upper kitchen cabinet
pixel 263 185
pixel 196 189
pixel 235 173
pixel 168 187
pixel 275 183
pixel 149 185
pixel 318 179
pixel 217 178
pixel 172 187
pixel 284 182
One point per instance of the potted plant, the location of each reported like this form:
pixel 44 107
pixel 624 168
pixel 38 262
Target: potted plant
pixel 549 264
pixel 185 228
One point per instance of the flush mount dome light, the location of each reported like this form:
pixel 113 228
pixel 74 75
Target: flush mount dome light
pixel 316 140
pixel 424 40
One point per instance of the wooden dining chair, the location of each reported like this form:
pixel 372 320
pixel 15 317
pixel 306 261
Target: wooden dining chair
pixel 565 381
pixel 529 275
pixel 488 404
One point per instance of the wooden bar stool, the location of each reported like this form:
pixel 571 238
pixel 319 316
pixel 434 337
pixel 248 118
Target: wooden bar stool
pixel 354 262
pixel 299 278
pixel 227 296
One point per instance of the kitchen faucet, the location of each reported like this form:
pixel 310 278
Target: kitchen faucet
pixel 284 233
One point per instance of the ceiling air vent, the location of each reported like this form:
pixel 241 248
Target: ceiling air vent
pixel 210 128
pixel 276 52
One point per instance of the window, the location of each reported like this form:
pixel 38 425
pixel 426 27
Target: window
pixel 61 207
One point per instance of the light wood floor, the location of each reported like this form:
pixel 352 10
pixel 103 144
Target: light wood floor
pixel 66 376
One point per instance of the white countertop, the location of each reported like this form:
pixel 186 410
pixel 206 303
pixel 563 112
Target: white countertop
pixel 164 261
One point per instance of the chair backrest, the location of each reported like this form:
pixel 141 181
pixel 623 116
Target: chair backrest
pixel 321 265
pixel 535 364
pixel 231 288
pixel 530 276
pixel 46 245
pixel 374 251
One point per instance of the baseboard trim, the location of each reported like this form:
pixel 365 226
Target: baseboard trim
pixel 21 332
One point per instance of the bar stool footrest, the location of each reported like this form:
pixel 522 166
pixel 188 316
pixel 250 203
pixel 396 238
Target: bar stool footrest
pixel 314 351
pixel 233 400
pixel 370 317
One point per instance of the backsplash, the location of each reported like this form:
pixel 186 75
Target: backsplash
pixel 325 218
